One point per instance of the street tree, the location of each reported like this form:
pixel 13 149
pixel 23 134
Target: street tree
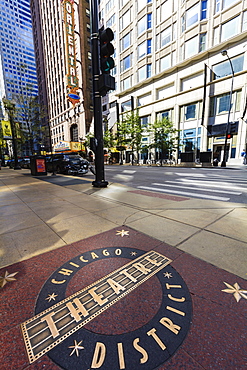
pixel 164 138
pixel 130 133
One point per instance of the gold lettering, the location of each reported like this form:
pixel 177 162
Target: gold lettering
pixel 58 282
pixel 75 312
pixel 70 40
pixel 154 262
pixel 175 310
pixel 141 350
pixel 69 19
pixel 72 71
pixel 97 297
pixel 65 272
pixel 125 272
pixel 118 252
pixel 71 50
pixel 68 7
pixel 94 255
pixel 121 356
pixel 141 268
pixel 152 333
pixel 176 299
pixel 168 286
pixel 99 355
pixel 105 252
pixel 169 324
pixel 82 259
pixel 70 29
pixel 51 324
pixel 74 264
pixel 115 286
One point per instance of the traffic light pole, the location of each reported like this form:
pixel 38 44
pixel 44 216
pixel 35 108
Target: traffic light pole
pixel 98 129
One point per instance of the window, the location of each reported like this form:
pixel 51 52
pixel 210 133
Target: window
pixel 144 23
pixel 204 9
pixel 149 46
pixel 244 23
pixel 194 14
pixel 142 3
pixel 165 92
pixel 230 28
pixel 126 106
pixel 166 36
pixel 192 81
pixel 141 50
pixel 142 73
pixel 165 62
pixel 144 99
pixel 195 45
pixel 125 20
pixel 126 83
pixel 202 42
pixel 141 25
pixel 145 121
pixel 224 69
pixel 190 112
pixel 149 70
pixel 165 10
pixel 126 41
pixel 220 104
pixel 126 62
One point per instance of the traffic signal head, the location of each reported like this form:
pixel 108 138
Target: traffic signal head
pixel 106 50
pixel 229 136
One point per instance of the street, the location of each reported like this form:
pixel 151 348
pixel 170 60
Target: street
pixel 204 183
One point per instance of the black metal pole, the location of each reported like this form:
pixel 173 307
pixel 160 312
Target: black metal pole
pixel 98 129
pixel 223 163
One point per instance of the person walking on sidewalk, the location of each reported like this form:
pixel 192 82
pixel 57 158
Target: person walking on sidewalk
pixel 243 154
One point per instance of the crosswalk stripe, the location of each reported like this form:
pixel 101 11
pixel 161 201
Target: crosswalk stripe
pixel 198 189
pixel 213 184
pixel 184 193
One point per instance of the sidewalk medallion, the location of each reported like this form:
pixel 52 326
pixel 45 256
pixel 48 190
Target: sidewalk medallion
pixel 133 317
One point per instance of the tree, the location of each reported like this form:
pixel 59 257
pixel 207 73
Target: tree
pixel 130 133
pixel 164 137
pixel 28 112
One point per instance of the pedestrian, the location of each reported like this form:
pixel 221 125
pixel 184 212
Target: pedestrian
pixel 243 154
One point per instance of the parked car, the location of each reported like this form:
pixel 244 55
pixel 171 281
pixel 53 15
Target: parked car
pixel 70 164
pixel 11 162
pixel 25 162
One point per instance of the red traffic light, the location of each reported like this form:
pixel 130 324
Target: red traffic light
pixel 229 136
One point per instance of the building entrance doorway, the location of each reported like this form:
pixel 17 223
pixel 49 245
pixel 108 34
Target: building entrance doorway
pixel 219 152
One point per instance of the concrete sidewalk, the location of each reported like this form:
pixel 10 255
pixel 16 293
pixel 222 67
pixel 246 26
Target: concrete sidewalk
pixel 42 214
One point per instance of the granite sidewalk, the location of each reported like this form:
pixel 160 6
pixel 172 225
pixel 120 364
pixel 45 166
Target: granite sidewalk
pixel 39 215
pixel 60 237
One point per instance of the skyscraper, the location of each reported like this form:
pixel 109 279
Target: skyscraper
pixel 16 47
pixel 62 47
pixel 18 67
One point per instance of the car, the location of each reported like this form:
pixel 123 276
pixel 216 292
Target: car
pixel 70 164
pixel 11 162
pixel 25 162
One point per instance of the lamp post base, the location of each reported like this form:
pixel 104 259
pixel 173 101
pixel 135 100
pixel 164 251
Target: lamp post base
pixel 100 184
pixel 223 164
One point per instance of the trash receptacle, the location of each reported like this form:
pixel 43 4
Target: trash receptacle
pixel 38 165
pixel 215 162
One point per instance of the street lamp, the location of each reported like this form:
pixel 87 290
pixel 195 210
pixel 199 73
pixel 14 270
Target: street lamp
pixel 223 163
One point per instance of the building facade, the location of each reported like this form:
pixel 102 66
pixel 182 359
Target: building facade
pixel 169 62
pixel 18 80
pixel 62 46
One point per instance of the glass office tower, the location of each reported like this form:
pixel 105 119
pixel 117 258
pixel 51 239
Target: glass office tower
pixel 17 50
